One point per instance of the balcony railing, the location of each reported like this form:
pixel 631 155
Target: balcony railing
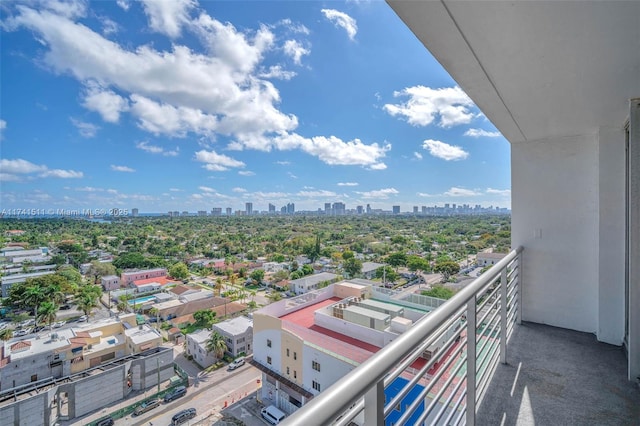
pixel 397 386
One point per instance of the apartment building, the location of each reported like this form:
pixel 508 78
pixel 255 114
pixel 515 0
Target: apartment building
pixel 128 277
pixel 311 282
pixel 238 333
pixel 305 344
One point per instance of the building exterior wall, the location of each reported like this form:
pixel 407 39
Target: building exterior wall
pixel 110 283
pixel 128 277
pixel 555 216
pixel 331 368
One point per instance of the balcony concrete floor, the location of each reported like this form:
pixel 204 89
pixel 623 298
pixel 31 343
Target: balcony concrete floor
pixel 555 376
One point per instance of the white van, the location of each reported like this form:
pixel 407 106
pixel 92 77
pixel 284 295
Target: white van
pixel 272 414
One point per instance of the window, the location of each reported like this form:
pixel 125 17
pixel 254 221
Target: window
pixel 269 343
pixel 316 385
pixel 295 355
pixel 269 360
pixel 34 378
pixel 315 365
pixel 295 374
pixel 287 351
pixel 287 370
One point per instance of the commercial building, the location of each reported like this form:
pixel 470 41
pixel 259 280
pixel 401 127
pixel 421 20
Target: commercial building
pixel 311 282
pixel 238 333
pixel 129 276
pixel 305 344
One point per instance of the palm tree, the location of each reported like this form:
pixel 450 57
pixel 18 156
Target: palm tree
pixel 6 334
pixel 218 286
pixel 86 304
pixel 33 297
pixel 48 312
pixel 216 344
pixel 123 304
pixel 155 312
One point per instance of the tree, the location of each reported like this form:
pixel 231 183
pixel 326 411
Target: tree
pixel 218 286
pixel 447 268
pixel 123 304
pixel 86 304
pixel 257 275
pixel 98 270
pixel 216 344
pixel 307 270
pixel 387 273
pixel 48 312
pixel 440 292
pixel 416 263
pixel 33 297
pixel 154 312
pixel 275 296
pixel 282 275
pixel 73 277
pixel 352 266
pixel 6 334
pixel 179 271
pixel 204 317
pixel 347 254
pixel 397 259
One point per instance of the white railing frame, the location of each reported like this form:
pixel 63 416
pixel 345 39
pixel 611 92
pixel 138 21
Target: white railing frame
pixel 367 380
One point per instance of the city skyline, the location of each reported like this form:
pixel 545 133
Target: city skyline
pixel 310 103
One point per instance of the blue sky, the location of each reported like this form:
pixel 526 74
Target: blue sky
pixel 189 105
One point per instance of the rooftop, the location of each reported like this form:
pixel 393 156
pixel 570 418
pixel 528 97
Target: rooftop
pixel 235 326
pixel 314 279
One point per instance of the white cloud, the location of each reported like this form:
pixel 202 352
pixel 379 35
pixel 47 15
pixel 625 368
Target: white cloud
pixel 175 189
pixel 295 28
pixel 477 133
pixel 334 151
pixel 342 20
pixel 267 195
pixel 283 163
pixel 177 91
pixel 154 149
pixel 13 169
pixel 347 184
pixel 318 193
pixel 108 26
pixel 62 174
pixel 295 50
pixel 277 72
pixel 105 102
pixel 238 189
pixel 246 173
pixel 450 106
pixel 417 155
pixel 217 162
pixel 3 124
pixel 168 17
pixel 461 192
pixel 20 166
pixel 122 169
pixel 444 150
pixel 292 176
pixel 502 192
pixel 206 189
pixel 379 193
pixel 86 130
pixel 424 194
pixel 124 4
pixel 163 118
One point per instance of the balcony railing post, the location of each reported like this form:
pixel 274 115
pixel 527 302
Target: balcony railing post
pixel 471 361
pixel 374 405
pixel 504 287
pixel 518 283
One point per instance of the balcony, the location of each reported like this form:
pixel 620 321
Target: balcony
pixel 510 372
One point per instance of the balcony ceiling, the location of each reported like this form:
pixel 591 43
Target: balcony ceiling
pixel 536 69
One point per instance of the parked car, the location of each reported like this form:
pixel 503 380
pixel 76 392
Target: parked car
pixel 146 406
pixel 236 363
pixel 21 332
pixel 182 416
pixel 105 421
pixel 82 318
pixel 65 307
pixel 58 324
pixel 175 393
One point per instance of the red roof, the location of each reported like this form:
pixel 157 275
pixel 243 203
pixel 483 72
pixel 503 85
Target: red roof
pixel 23 344
pixel 160 280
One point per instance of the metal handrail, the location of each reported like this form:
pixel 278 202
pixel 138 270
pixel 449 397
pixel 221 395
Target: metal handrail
pixel 331 403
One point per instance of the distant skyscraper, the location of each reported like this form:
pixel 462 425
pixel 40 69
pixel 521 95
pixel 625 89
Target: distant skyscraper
pixel 424 209
pixel 134 212
pixel 415 209
pixel 360 209
pixel 291 208
pixel 368 208
pixel 272 208
pixel 327 208
pixel 396 209
pixel 216 211
pixel 339 208
pixel 202 212
pixel 248 208
pixel 229 211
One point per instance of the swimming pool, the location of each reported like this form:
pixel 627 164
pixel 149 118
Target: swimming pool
pixel 141 300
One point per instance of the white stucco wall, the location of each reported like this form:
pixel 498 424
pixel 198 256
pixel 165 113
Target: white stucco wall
pixel 555 208
pixel 261 350
pixel 331 369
